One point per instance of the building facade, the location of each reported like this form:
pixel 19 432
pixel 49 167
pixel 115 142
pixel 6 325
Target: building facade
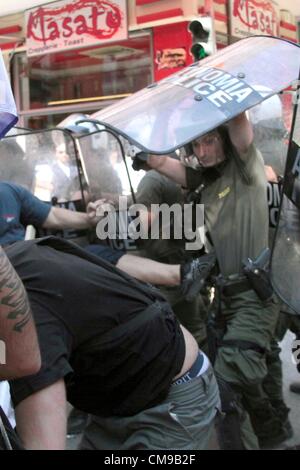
pixel 79 56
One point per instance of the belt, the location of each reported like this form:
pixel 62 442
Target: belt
pixel 232 288
pixel 192 372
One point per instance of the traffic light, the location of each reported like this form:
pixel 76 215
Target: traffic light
pixel 203 38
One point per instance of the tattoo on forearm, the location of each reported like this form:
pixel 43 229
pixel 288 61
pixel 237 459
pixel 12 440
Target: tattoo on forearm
pixel 13 298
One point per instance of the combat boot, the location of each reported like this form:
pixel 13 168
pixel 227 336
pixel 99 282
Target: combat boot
pixel 271 425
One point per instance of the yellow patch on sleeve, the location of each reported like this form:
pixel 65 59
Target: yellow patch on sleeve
pixel 224 193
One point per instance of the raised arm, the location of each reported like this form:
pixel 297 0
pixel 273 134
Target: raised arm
pixel 19 349
pixel 169 167
pixel 241 132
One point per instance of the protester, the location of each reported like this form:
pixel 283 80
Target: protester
pixel 113 347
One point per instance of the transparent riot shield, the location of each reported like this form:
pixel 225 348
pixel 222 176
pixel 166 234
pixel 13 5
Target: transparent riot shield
pixel 14 164
pixel 109 176
pixel 271 121
pixel 107 173
pixel 271 131
pixel 180 108
pixel 45 163
pixel 285 265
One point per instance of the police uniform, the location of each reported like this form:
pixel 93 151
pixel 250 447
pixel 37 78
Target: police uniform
pixel 236 217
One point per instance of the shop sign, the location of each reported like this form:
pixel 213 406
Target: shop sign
pixel 171 47
pixel 251 17
pixel 70 24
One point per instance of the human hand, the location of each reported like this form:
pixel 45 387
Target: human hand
pixel 270 174
pixel 95 210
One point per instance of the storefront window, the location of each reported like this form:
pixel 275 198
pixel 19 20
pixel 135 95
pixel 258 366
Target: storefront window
pixel 43 121
pixel 83 75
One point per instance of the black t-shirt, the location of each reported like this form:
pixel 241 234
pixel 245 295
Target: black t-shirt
pixel 89 297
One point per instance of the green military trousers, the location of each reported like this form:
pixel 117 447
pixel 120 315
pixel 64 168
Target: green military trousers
pixel 244 317
pixel 273 382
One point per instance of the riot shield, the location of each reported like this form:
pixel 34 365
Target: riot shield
pixel 71 124
pixel 14 166
pixel 271 121
pixel 180 108
pixel 44 162
pixel 285 264
pixel 271 131
pixel 110 176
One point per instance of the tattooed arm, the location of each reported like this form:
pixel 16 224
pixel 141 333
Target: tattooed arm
pixel 19 349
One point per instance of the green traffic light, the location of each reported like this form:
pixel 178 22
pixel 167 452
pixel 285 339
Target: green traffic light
pixel 202 54
pixel 198 52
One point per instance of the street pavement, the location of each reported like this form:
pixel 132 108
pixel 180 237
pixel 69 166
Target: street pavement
pixel 290 374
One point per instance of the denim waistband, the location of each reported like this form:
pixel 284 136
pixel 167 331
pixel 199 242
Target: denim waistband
pixel 194 371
